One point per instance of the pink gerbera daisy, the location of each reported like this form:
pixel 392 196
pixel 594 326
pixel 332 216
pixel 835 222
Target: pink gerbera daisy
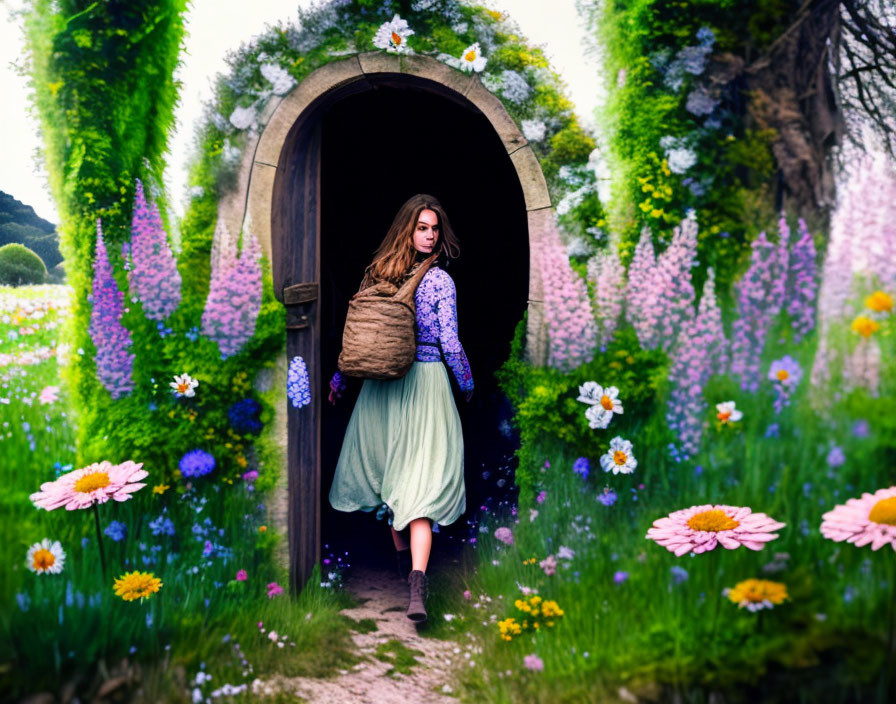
pixel 702 528
pixel 96 483
pixel 871 519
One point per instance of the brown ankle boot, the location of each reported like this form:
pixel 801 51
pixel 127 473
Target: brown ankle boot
pixel 419 587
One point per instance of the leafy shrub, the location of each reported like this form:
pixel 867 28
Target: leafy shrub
pixel 545 405
pixel 20 266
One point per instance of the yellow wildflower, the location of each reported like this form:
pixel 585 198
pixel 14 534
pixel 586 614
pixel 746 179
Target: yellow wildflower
pixel 137 585
pixel 865 326
pixel 756 594
pixel 160 488
pixel 509 628
pixel 880 302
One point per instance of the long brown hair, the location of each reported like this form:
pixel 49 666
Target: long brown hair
pixel 396 254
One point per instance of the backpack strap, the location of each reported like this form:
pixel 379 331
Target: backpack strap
pixel 406 292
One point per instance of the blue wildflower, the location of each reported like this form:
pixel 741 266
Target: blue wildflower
pixel 772 431
pixel 582 467
pixel 162 526
pixel 861 428
pixel 836 457
pixel 706 36
pixel 23 600
pixel 679 574
pixel 298 386
pixel 196 463
pixel 244 416
pixel 620 577
pixel 608 497
pixel 116 530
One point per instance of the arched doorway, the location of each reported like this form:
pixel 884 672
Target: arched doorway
pixel 338 157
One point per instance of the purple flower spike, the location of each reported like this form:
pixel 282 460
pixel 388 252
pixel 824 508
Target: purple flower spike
pixel 114 361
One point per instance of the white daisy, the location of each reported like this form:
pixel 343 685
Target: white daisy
pixel 392 36
pixel 598 417
pixel 472 58
pixel 727 413
pixel 183 385
pixel 590 392
pixel 604 403
pixel 619 458
pixel 45 556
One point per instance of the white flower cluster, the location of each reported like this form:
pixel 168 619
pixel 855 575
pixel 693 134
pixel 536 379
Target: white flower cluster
pixel 514 86
pixel 279 77
pixel 534 130
pixel 242 118
pixel 679 155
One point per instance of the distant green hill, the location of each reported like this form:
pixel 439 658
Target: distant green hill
pixel 19 223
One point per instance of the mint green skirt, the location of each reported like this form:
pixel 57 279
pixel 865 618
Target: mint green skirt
pixel 404 447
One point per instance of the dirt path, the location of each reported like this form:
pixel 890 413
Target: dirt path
pixel 384 599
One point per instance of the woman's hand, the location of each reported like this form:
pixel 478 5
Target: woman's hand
pixel 333 396
pixel 336 388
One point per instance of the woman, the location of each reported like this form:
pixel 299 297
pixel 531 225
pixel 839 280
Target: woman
pixel 403 445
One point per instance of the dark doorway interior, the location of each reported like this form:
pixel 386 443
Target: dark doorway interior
pixel 379 147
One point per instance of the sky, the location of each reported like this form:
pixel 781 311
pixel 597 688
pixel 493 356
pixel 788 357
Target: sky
pixel 217 26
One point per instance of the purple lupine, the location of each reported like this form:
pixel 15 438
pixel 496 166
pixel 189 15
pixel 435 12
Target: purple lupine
pixel 154 277
pixel 861 367
pixel 709 327
pixel 861 251
pixel 234 296
pixel 640 310
pixel 757 309
pixel 700 352
pixel 779 284
pixel 608 276
pixel 802 284
pixel 660 296
pixel 114 361
pixel 673 288
pixel 871 224
pixel 572 331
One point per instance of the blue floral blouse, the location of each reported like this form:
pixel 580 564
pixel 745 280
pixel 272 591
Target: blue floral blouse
pixel 436 303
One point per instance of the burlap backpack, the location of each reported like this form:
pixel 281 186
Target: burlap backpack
pixel 379 340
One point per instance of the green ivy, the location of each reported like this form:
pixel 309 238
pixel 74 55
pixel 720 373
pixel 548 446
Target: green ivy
pixel 735 157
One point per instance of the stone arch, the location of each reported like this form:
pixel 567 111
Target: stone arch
pixel 258 204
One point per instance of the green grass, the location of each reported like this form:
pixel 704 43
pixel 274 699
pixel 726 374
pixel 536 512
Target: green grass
pixel 401 658
pixel 365 625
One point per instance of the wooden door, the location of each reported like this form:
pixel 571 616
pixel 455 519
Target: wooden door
pixel 296 251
